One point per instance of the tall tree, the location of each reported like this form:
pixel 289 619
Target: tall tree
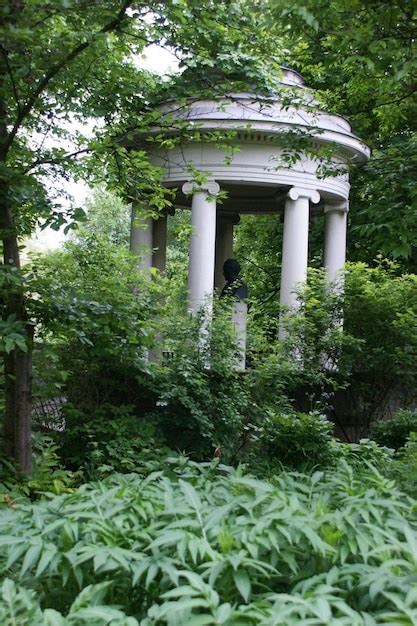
pixel 40 69
pixel 66 61
pixel 361 58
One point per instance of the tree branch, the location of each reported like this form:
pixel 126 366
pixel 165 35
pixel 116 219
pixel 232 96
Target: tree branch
pixel 58 160
pixel 9 71
pixel 55 69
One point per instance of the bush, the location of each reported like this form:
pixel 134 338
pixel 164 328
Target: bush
pixel 369 363
pixel 365 453
pixel 110 439
pixel 404 467
pixel 48 477
pixel 395 431
pixel 201 398
pixel 199 544
pixel 381 313
pixel 100 321
pixel 297 439
pixel 95 316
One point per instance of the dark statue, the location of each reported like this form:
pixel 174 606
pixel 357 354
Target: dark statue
pixel 234 288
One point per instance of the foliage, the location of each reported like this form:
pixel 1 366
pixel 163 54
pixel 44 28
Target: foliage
pixel 12 329
pixel 109 439
pixel 48 478
pixel 353 375
pixel 380 311
pixel 106 329
pixel 395 431
pixel 368 364
pixel 104 316
pixel 296 440
pixel 178 238
pixel 100 310
pixel 385 204
pixel 300 369
pixel 205 544
pixel 363 454
pixel 258 247
pixel 201 396
pixel 107 218
pixel 404 467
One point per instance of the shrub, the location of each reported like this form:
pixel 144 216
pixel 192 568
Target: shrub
pixel 109 439
pixel 200 396
pixel 48 475
pixel 365 453
pixel 404 467
pixel 95 314
pixel 381 313
pixel 297 439
pixel 199 544
pixel 371 361
pixel 395 431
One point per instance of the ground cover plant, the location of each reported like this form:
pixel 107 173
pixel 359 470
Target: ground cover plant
pixel 208 544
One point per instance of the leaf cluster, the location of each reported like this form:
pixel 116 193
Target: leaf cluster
pixel 205 544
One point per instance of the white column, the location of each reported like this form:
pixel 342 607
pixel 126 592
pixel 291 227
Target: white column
pixel 140 245
pixel 224 246
pixel 159 243
pixel 295 245
pixel 203 241
pixel 240 311
pixel 335 216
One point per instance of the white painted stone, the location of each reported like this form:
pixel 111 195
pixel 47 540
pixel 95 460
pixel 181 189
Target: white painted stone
pixel 258 163
pixel 335 216
pixel 239 315
pixel 259 122
pixel 295 246
pixel 202 245
pixel 141 232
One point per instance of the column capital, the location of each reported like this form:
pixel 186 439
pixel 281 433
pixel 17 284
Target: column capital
pixel 342 206
pixel 210 186
pixel 298 192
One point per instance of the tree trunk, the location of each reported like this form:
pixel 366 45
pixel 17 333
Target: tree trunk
pixel 22 452
pixel 17 364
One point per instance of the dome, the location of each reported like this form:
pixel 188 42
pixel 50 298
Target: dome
pixel 270 144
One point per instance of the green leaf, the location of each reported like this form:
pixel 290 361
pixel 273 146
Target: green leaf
pixel 191 494
pixel 53 618
pixel 242 582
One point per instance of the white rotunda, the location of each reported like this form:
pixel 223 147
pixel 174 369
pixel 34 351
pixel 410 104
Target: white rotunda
pixel 259 173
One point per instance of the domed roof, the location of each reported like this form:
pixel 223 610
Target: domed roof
pixel 291 77
pixel 256 146
pixel 290 109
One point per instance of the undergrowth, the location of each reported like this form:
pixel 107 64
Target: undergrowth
pixel 195 544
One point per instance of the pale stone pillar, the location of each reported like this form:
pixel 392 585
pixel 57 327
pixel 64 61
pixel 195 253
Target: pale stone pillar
pixel 203 241
pixel 141 234
pixel 240 311
pixel 335 215
pixel 295 245
pixel 224 246
pixel 159 243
